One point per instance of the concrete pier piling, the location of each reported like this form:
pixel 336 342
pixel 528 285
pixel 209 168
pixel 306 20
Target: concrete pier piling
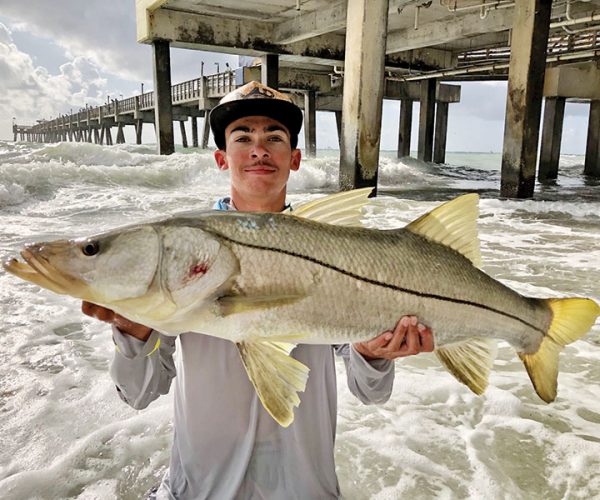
pixel 426 120
pixel 310 123
pixel 162 93
pixel 120 134
pixel 269 70
pixel 366 33
pixel 592 150
pixel 184 141
pixel 194 131
pixel 531 25
pixel 554 112
pixel 405 127
pixel 440 133
pixel 205 131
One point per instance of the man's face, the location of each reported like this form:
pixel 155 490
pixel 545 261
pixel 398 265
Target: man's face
pixel 259 155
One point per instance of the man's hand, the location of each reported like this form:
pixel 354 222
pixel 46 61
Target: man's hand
pixel 408 338
pixel 123 324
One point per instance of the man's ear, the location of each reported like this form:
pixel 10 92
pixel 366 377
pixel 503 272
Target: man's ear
pixel 221 159
pixel 296 157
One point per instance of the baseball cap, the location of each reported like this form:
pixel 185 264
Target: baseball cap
pixel 255 99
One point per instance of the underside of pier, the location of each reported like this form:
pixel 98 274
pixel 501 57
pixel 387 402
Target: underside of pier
pixel 368 50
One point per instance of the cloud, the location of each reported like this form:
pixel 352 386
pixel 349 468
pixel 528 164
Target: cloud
pixel 104 32
pixel 30 92
pixel 100 31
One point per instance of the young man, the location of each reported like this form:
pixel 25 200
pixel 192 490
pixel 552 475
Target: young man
pixel 225 444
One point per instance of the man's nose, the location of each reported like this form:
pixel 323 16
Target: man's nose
pixel 260 150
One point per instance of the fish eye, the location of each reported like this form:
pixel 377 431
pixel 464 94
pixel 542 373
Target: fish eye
pixel 90 249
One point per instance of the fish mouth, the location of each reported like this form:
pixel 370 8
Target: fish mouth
pixel 39 271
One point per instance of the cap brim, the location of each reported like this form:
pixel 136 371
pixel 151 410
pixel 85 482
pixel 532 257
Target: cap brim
pixel 286 113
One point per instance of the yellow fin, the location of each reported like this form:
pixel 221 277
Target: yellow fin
pixel 235 304
pixel 470 362
pixel 572 319
pixel 453 224
pixel 343 209
pixel 276 376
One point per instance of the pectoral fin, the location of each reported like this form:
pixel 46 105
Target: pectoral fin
pixel 470 362
pixel 235 304
pixel 276 376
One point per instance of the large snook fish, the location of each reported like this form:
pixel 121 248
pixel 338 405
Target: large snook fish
pixel 269 281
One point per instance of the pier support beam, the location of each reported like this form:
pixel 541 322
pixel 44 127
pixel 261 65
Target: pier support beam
pixel 441 132
pixel 592 150
pixel 205 131
pixel 139 124
pixel 120 134
pixel 524 102
pixel 338 124
pixel 183 134
pixel 194 131
pixel 405 127
pixel 269 70
pixel 366 34
pixel 426 120
pixel 163 107
pixel 310 123
pixel 554 112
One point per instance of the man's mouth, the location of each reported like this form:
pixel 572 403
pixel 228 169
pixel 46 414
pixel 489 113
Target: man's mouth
pixel 260 169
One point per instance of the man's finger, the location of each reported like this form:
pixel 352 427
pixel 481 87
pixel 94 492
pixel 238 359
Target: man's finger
pixel 399 334
pixel 413 339
pixel 380 341
pixel 427 344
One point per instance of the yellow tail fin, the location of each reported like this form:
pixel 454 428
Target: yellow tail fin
pixel 572 319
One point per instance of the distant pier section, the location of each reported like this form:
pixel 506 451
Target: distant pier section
pixel 312 91
pixel 95 124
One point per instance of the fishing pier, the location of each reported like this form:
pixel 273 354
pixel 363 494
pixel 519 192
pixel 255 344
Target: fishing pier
pixel 347 56
pixel 194 99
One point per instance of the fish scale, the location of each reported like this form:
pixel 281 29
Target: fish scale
pixel 393 260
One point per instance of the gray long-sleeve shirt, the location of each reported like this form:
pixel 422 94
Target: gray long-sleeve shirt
pixel 225 444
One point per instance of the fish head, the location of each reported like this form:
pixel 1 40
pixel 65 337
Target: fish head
pixel 102 269
pixel 196 266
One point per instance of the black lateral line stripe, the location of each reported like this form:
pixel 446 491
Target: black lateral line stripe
pixel 380 283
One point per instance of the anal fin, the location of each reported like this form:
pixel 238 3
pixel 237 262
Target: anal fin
pixel 470 361
pixel 276 376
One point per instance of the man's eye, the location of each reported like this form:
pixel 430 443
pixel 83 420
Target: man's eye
pixel 242 139
pixel 275 138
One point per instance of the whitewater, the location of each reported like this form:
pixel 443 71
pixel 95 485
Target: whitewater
pixel 64 432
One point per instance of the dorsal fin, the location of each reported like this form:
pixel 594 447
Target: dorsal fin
pixel 343 209
pixel 453 224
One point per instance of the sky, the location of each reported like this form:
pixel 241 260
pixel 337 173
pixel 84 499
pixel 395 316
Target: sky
pixel 61 55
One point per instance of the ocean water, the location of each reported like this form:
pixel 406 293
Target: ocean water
pixel 64 433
